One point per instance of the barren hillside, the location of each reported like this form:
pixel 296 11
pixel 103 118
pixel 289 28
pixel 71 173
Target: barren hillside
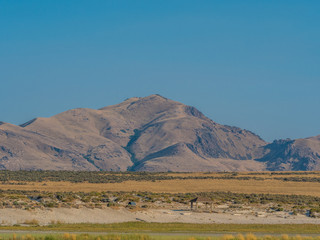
pixel 145 134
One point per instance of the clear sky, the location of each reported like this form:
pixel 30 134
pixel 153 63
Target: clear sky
pixel 251 64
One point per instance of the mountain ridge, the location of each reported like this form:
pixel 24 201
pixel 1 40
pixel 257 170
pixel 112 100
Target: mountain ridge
pixel 150 133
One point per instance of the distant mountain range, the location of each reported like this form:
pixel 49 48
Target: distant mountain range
pixel 147 134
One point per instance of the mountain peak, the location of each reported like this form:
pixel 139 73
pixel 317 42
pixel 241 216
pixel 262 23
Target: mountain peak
pixel 155 96
pixel 154 99
pixel 152 96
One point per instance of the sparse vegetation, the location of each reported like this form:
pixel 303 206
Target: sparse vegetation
pixel 308 205
pixel 99 198
pixel 101 195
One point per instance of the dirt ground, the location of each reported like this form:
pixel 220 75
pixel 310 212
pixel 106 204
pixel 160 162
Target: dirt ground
pixel 110 215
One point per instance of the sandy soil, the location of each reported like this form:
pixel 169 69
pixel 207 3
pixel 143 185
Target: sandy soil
pixel 109 215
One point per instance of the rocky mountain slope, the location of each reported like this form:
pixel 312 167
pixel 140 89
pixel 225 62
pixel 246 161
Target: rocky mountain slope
pixel 292 155
pixel 146 134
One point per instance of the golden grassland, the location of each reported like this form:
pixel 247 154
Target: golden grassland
pixel 267 186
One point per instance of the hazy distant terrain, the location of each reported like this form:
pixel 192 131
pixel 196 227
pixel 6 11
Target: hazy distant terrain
pixel 147 134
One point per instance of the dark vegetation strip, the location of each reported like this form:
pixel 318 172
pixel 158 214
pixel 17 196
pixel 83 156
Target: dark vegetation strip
pixel 298 179
pixel 117 177
pixel 99 176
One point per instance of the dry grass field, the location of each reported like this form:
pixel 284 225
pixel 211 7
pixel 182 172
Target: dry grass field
pixel 304 183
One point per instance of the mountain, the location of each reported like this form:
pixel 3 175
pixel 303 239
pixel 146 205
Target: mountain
pixel 146 134
pixel 292 155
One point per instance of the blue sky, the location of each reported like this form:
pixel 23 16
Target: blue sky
pixel 251 64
